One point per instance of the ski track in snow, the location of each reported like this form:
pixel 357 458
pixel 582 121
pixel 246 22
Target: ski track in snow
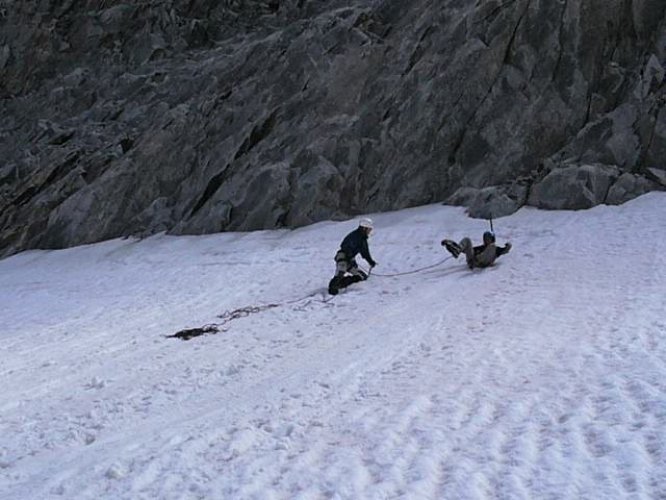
pixel 541 377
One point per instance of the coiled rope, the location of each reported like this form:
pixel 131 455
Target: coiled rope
pixel 242 312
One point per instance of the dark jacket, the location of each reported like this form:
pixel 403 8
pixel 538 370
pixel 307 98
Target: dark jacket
pixel 485 255
pixel 357 242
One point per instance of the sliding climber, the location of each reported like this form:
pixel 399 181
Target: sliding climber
pixel 477 256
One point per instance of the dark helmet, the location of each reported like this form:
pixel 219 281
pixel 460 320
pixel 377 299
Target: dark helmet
pixel 488 237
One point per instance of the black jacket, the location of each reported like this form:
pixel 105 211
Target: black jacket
pixel 485 255
pixel 357 242
pixel 498 250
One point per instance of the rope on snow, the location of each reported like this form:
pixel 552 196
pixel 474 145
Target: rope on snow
pixel 414 271
pixel 242 312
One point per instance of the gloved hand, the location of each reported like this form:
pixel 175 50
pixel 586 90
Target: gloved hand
pixel 507 246
pixel 372 264
pixel 443 243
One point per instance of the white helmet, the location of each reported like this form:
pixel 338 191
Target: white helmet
pixel 366 222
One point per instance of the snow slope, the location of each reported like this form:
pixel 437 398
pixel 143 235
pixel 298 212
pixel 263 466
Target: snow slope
pixel 542 377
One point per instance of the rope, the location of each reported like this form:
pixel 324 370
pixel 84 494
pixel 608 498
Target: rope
pixel 414 271
pixel 243 312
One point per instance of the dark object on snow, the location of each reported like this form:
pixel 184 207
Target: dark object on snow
pixel 345 262
pixel 226 317
pixel 338 282
pixel 190 333
pixel 241 312
pixel 478 256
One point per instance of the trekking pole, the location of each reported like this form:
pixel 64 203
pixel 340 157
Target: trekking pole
pixel 491 224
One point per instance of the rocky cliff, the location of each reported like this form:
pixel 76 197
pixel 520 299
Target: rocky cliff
pixel 193 116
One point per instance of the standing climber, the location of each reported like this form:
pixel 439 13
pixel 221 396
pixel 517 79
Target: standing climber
pixel 345 262
pixel 478 256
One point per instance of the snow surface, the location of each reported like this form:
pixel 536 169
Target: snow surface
pixel 541 377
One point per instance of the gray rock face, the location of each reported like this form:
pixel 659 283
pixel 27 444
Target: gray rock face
pixel 658 175
pixel 125 118
pixel 574 187
pixel 493 201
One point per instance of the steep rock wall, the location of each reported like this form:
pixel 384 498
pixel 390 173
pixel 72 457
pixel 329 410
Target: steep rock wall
pixel 128 118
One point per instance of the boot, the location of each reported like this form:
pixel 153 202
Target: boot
pixel 333 286
pixel 345 281
pixel 452 247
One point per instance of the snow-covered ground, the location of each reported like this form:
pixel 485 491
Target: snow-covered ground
pixel 542 377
